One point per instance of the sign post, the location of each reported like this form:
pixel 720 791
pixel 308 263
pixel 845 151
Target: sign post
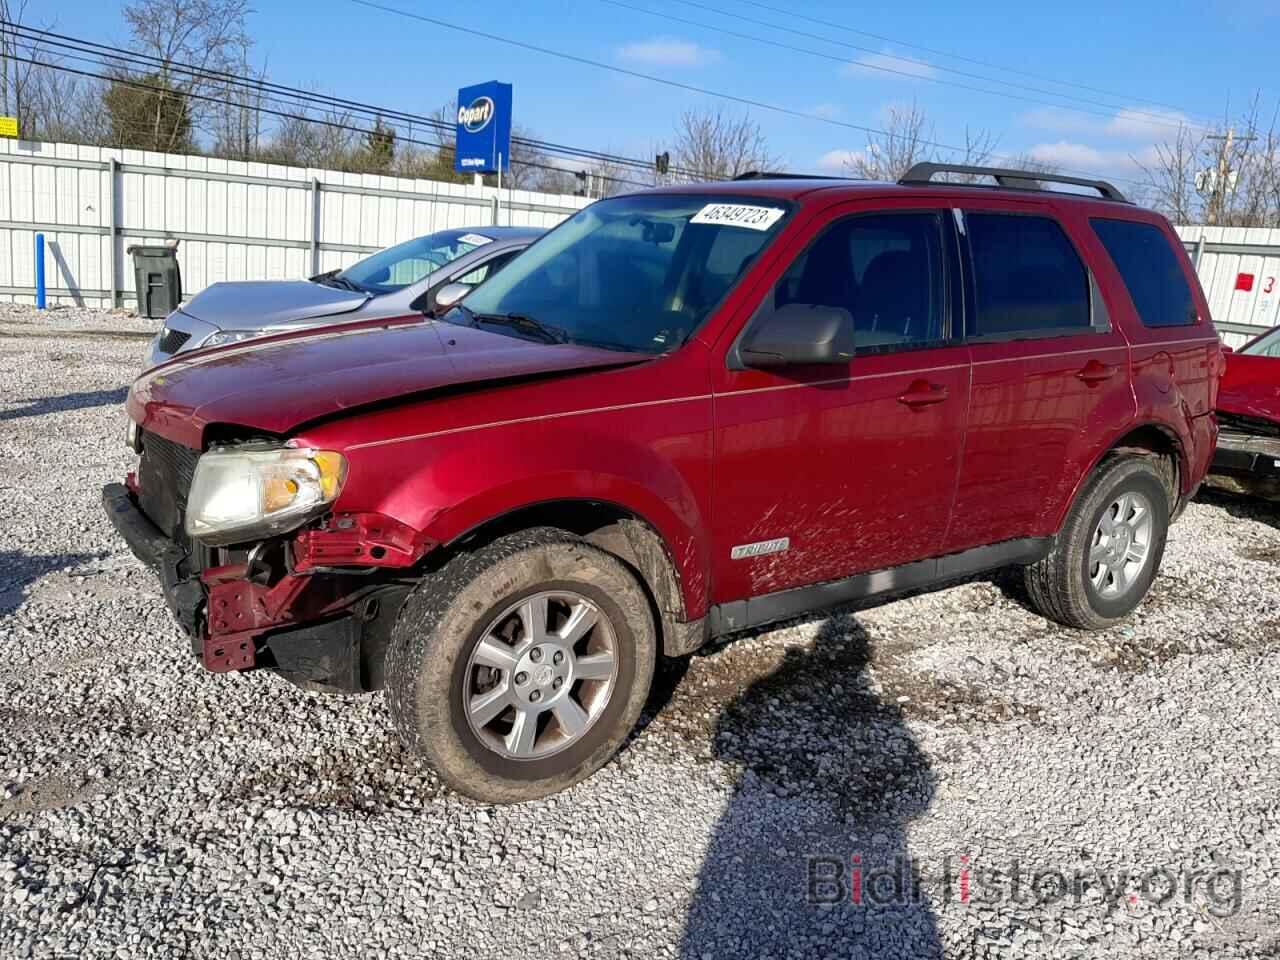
pixel 483 139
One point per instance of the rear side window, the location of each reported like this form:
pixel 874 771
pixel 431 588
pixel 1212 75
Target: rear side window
pixel 1027 277
pixel 1151 271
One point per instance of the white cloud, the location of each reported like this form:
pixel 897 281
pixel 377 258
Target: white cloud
pixel 838 161
pixel 1130 123
pixel 887 60
pixel 668 52
pixel 1071 156
pixel 1147 123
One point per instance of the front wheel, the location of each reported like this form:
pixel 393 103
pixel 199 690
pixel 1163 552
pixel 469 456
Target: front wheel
pixel 519 669
pixel 1109 549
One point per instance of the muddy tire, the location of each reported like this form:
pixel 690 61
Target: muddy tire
pixel 519 669
pixel 1108 551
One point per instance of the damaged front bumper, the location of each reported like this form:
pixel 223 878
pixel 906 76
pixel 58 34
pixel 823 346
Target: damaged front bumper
pixel 1247 463
pixel 331 630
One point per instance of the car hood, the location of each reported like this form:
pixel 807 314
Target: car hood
pixel 256 304
pixel 279 383
pixel 1251 386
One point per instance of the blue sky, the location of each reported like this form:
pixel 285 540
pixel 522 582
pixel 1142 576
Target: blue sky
pixel 1159 62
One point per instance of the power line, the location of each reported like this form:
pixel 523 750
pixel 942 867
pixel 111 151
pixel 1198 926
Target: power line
pixel 297 96
pixel 666 81
pixel 792 14
pixel 288 116
pixel 908 63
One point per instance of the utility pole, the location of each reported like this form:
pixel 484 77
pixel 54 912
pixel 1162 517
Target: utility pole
pixel 1222 176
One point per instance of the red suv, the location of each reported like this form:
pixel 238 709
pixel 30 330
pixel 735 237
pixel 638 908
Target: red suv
pixel 681 414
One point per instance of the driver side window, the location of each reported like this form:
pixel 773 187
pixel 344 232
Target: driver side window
pixel 885 270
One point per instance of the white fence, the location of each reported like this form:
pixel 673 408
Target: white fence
pixel 255 221
pixel 1239 268
pixel 233 220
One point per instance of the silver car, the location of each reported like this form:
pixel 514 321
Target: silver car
pixel 396 281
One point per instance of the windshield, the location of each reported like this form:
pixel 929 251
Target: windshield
pixel 638 273
pixel 1268 345
pixel 406 263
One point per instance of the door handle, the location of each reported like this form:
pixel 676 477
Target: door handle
pixel 1095 372
pixel 922 393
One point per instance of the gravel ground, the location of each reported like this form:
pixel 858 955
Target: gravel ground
pixel 1127 780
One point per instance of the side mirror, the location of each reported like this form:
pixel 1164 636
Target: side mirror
pixel 799 333
pixel 450 294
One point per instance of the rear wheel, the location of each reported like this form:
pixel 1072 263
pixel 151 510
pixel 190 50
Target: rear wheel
pixel 1109 549
pixel 518 670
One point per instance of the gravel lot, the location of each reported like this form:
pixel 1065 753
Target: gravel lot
pixel 150 809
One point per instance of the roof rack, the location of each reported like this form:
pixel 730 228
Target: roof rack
pixel 770 175
pixel 1010 179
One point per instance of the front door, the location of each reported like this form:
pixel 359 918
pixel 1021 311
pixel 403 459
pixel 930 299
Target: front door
pixel 825 471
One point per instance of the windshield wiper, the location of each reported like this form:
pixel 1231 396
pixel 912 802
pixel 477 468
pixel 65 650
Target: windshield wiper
pixel 519 321
pixel 336 279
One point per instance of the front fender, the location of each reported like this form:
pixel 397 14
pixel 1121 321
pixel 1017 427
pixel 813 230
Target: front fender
pixel 649 461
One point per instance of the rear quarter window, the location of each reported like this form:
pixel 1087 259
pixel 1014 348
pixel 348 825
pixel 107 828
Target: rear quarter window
pixel 1151 271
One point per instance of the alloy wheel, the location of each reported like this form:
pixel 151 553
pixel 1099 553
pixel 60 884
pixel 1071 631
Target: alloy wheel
pixel 540 675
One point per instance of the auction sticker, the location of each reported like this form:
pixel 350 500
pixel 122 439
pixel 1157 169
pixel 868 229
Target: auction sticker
pixel 739 215
pixel 474 239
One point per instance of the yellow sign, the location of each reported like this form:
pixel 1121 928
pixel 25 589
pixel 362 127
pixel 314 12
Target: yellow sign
pixel 8 126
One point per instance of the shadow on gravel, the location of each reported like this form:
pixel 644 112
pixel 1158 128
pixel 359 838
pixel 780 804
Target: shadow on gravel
pixel 1242 507
pixel 19 570
pixel 810 858
pixel 68 401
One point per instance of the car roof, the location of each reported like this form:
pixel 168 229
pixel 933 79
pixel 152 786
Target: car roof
pixel 802 188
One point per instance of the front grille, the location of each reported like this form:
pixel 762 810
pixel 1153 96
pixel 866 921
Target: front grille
pixel 172 340
pixel 164 480
pixel 1239 423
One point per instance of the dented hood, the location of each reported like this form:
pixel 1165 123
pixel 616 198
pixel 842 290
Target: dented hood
pixel 1251 386
pixel 280 383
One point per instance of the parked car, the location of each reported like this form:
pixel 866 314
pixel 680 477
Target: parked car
pixel 393 282
pixel 1248 455
pixel 684 413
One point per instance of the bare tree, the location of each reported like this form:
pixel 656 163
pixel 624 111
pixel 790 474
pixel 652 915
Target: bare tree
pixel 307 139
pixel 1171 176
pixel 22 64
pixel 66 108
pixel 210 36
pixel 910 138
pixel 1228 175
pixel 714 145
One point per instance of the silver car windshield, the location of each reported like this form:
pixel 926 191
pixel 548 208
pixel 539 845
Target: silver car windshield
pixel 406 263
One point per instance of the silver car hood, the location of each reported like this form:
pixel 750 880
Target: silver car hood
pixel 255 304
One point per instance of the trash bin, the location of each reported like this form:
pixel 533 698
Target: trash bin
pixel 157 280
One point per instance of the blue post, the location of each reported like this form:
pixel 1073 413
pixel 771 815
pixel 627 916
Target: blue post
pixel 39 271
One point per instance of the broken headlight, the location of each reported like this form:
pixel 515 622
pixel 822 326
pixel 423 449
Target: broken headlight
pixel 239 495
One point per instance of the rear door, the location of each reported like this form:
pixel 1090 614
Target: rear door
pixel 825 471
pixel 1050 372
